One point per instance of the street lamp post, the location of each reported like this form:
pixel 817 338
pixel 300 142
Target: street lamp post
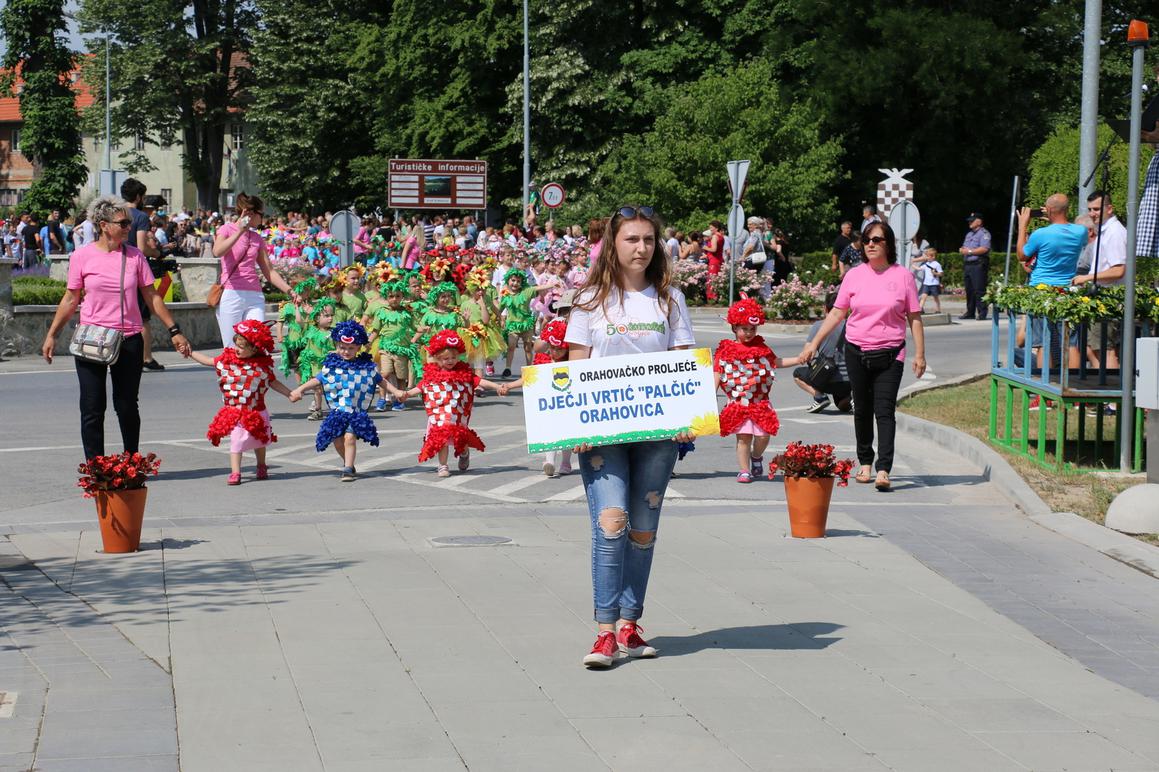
pixel 1089 119
pixel 108 112
pixel 1138 38
pixel 526 114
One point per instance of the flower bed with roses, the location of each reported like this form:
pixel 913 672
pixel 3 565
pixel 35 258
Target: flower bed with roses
pixel 121 472
pixel 794 299
pixel 747 281
pixel 689 276
pixel 816 461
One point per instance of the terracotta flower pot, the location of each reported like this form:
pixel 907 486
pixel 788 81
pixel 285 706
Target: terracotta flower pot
pixel 808 500
pixel 120 514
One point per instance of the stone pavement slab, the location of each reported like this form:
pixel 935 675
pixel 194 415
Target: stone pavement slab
pixel 343 645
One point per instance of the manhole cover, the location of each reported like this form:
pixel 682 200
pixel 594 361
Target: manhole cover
pixel 469 541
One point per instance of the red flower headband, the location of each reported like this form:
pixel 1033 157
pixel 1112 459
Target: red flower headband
pixel 747 311
pixel 553 334
pixel 446 339
pixel 257 333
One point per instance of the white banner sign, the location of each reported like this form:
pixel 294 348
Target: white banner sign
pixel 619 399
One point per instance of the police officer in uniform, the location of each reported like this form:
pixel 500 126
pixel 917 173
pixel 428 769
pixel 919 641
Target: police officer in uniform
pixel 975 266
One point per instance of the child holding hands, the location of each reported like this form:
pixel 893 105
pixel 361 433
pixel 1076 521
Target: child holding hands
pixel 348 380
pixel 557 350
pixel 745 369
pixel 245 371
pixel 448 390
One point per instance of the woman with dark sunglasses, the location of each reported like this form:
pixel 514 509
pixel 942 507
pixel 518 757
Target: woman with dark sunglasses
pixel 242 252
pixel 628 306
pixel 110 300
pixel 878 299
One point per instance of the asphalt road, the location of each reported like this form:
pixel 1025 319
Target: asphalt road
pixel 40 446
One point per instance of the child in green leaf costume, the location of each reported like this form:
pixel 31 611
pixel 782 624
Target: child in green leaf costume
pixel 391 334
pixel 316 344
pixel 515 301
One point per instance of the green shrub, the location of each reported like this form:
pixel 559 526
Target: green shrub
pixel 36 281
pixel 37 295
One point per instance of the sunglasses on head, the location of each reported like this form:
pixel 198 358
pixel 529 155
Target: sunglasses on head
pixel 876 240
pixel 628 212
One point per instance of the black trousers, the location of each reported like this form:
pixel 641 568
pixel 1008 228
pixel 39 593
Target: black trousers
pixel 974 277
pixel 126 377
pixel 874 399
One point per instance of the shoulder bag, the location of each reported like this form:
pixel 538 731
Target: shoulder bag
pixel 214 297
pixel 757 258
pixel 95 343
pixel 823 368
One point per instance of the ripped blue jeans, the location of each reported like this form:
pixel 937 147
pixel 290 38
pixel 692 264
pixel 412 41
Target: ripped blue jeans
pixel 629 479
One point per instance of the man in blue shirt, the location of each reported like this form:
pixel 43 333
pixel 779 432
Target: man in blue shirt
pixel 1051 256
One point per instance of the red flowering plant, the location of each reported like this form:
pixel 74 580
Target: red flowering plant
pixel 801 460
pixel 123 472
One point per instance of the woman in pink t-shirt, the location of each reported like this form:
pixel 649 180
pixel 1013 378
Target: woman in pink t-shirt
pixel 243 252
pixel 94 276
pixel 879 299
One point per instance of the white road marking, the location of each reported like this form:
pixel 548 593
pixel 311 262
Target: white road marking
pixel 569 495
pixel 520 484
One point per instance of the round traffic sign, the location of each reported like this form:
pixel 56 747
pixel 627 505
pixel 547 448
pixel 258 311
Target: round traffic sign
pixel 552 195
pixel 905 219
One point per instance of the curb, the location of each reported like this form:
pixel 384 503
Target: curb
pixel 994 467
pixel 1117 546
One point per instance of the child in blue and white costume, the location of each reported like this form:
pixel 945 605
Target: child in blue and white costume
pixel 348 380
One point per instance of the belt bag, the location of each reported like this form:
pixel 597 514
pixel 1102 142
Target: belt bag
pixel 99 344
pixel 881 359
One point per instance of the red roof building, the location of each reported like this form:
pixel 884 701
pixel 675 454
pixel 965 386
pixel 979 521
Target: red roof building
pixel 16 171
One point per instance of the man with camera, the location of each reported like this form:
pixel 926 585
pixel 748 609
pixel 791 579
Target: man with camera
pixel 1050 255
pixel 975 252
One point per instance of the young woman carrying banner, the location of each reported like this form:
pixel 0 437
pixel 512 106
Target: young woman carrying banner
pixel 628 306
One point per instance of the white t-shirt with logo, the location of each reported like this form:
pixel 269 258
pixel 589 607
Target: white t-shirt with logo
pixel 636 326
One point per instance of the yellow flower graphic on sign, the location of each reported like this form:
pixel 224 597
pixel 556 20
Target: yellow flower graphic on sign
pixel 530 375
pixel 703 357
pixel 709 423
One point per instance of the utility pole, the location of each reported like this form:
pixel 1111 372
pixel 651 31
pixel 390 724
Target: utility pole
pixel 1089 120
pixel 526 115
pixel 1138 38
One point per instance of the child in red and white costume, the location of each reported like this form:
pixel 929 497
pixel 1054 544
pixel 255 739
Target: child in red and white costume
pixel 448 391
pixel 552 337
pixel 245 372
pixel 745 370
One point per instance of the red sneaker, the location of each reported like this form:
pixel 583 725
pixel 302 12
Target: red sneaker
pixel 631 643
pixel 263 472
pixel 603 653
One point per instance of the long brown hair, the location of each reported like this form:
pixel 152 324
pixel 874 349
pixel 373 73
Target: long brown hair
pixel 607 274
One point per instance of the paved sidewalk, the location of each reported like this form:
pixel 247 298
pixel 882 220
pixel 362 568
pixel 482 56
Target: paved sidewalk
pixel 350 645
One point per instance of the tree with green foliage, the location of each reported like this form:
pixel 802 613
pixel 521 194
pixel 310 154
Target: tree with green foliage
pixel 678 166
pixel 306 121
pixel 1054 168
pixel 179 74
pixel 37 56
pixel 435 82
